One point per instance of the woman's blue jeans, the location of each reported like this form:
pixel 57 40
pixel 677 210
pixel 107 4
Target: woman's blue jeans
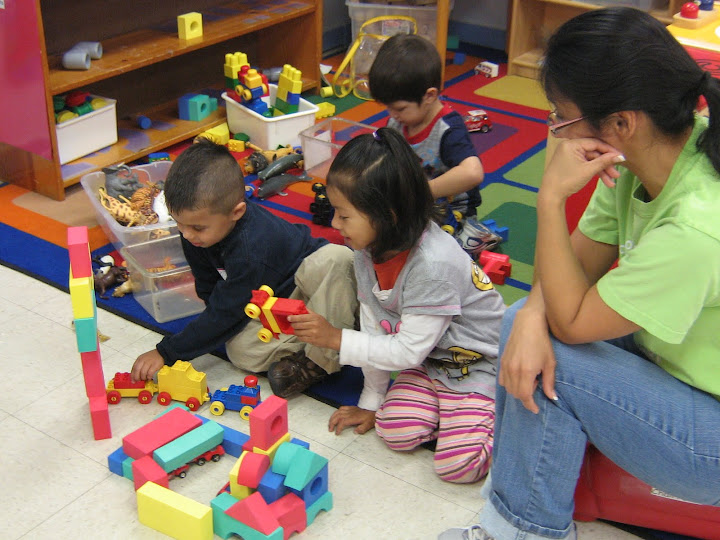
pixel 649 423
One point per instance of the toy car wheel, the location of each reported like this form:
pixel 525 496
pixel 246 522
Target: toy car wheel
pixel 265 335
pixel 484 129
pixel 193 404
pixel 252 311
pixel 164 399
pixel 201 461
pixel 245 412
pixel 182 474
pixel 318 187
pixel 216 457
pixel 113 397
pixel 448 229
pixel 145 397
pixel 217 408
pixel 267 289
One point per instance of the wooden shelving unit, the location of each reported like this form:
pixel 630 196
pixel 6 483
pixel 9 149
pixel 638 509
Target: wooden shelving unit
pixel 532 22
pixel 146 68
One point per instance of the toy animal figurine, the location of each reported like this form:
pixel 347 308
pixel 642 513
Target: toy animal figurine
pixel 106 280
pixel 276 184
pixel 123 289
pixel 121 180
pixel 280 165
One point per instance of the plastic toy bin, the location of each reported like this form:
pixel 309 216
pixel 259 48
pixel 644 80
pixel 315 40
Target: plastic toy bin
pixel 269 133
pixel 425 16
pixel 87 133
pixel 118 234
pixel 167 294
pixel 322 141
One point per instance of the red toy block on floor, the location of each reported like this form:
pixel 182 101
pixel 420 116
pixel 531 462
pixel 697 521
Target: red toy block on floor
pixel 93 373
pixel 162 430
pixel 254 512
pixel 252 468
pixel 268 423
pixel 146 469
pixel 100 417
pixel 290 513
pixel 79 252
pixel 496 266
pixel 605 491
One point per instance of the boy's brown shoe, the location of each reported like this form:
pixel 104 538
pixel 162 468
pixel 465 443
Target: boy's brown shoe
pixel 294 374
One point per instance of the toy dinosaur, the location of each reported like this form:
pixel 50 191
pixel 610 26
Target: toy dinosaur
pixel 121 180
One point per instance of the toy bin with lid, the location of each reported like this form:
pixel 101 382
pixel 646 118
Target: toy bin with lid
pixel 87 133
pixel 270 132
pixel 118 234
pixel 162 281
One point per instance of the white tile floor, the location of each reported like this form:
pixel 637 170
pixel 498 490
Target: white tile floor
pixel 56 484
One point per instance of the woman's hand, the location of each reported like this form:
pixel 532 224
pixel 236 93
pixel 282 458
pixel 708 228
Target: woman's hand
pixel 348 416
pixel 528 353
pixel 316 330
pixel 576 162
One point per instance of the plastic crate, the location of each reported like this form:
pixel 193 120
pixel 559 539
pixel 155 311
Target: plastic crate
pixel 166 295
pixel 322 141
pixel 87 133
pixel 425 16
pixel 118 234
pixel 269 133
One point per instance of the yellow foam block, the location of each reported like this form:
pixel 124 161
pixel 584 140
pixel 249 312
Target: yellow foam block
pixel 173 514
pixel 236 490
pixel 82 296
pixel 190 25
pixel 273 449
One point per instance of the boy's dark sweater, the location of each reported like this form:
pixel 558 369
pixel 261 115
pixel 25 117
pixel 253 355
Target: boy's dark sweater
pixel 262 249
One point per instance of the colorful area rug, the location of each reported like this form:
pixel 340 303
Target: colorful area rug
pixel 32 229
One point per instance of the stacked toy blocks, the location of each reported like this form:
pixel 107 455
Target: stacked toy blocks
pixel 277 485
pixel 289 89
pixel 82 296
pixel 244 84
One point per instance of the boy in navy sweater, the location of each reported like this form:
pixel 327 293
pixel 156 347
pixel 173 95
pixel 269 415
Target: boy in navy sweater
pixel 233 247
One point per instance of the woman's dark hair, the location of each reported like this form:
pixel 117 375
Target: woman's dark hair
pixel 206 175
pixel 381 176
pixel 622 59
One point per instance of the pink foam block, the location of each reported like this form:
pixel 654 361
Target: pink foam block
pixel 146 469
pixel 93 373
pixel 100 417
pixel 254 512
pixel 79 252
pixel 162 430
pixel 290 512
pixel 252 468
pixel 268 422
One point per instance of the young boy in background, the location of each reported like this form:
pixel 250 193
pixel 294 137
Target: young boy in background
pixel 406 77
pixel 233 247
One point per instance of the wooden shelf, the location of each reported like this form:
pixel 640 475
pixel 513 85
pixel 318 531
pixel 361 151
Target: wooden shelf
pixel 134 50
pixel 532 22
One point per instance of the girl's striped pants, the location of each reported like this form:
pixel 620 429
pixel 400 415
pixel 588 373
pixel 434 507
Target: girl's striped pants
pixel 418 409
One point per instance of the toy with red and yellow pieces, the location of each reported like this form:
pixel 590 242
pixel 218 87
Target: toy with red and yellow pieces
pixel 243 398
pixel 244 84
pixel 289 88
pixel 273 312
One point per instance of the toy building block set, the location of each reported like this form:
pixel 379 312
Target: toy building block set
pixel 276 487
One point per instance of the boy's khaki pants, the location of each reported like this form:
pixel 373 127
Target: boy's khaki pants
pixel 325 281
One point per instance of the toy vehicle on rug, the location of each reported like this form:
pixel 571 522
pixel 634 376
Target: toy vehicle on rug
pixel 477 120
pixel 243 398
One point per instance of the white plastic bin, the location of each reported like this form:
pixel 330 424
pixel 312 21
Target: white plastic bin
pixel 270 132
pixel 118 234
pixel 87 133
pixel 166 295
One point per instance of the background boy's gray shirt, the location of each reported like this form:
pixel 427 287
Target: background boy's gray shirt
pixel 439 278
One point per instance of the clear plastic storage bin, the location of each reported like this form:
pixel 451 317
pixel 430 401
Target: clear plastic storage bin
pixel 322 142
pixel 118 234
pixel 165 293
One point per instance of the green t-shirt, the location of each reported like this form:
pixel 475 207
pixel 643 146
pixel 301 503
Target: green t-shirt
pixel 668 276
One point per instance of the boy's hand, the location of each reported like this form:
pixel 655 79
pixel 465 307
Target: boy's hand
pixel 348 416
pixel 146 366
pixel 315 330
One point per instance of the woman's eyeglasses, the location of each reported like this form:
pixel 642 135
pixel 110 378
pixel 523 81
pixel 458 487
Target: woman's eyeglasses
pixel 554 125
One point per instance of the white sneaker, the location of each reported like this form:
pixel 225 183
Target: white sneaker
pixel 475 237
pixel 473 532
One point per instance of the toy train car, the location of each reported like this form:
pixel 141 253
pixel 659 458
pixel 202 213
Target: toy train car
pixel 273 312
pixel 237 398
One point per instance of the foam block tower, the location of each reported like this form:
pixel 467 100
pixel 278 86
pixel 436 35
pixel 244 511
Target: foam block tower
pixel 82 296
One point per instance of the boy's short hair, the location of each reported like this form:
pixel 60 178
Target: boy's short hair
pixel 406 66
pixel 206 175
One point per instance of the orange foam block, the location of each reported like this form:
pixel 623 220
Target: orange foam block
pixel 159 432
pixel 79 252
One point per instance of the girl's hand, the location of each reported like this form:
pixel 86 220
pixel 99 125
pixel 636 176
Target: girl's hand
pixel 315 330
pixel 348 416
pixel 528 353
pixel 576 162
